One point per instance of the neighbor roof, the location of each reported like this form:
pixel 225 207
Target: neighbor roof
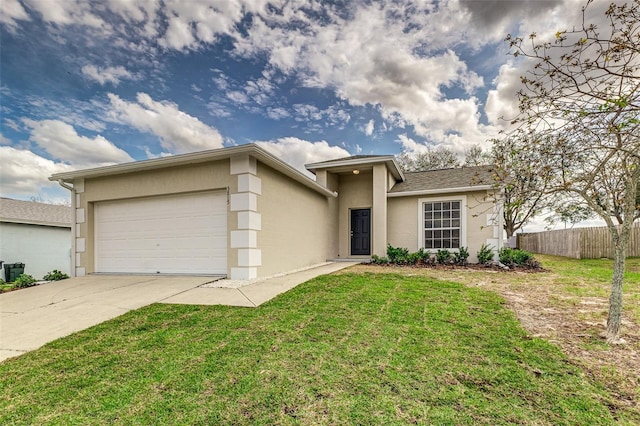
pixel 30 212
pixel 445 180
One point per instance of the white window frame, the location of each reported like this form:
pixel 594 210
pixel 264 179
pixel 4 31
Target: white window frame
pixel 463 219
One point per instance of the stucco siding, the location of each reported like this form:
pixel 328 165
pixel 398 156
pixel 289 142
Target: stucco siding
pixel 297 224
pixel 41 248
pixel 404 227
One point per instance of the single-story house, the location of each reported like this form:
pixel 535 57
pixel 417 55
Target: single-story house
pixel 241 212
pixel 36 234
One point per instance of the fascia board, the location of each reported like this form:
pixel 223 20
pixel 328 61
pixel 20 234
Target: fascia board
pixel 441 191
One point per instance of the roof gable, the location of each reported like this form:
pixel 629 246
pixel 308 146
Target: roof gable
pixel 197 157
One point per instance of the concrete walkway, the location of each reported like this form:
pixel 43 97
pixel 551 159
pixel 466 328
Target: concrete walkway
pixel 32 317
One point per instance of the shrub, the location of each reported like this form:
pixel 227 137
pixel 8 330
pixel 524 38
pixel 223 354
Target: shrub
pixel 397 255
pixel 55 275
pixel 443 256
pixel 425 256
pixel 461 257
pixel 512 257
pixel 414 258
pixel 379 260
pixel 485 254
pixel 24 281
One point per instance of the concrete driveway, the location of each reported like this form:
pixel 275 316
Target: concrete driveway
pixel 31 317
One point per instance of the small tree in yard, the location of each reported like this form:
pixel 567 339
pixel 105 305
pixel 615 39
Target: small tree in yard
pixel 580 113
pixel 524 184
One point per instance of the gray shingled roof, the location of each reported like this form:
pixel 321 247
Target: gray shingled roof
pixel 446 179
pixel 17 211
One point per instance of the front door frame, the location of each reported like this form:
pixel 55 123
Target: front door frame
pixel 354 233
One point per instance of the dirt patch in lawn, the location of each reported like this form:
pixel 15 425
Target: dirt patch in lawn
pixel 574 323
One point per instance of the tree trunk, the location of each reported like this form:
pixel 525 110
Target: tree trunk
pixel 615 299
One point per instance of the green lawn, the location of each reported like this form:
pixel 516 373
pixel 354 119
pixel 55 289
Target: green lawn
pixel 342 349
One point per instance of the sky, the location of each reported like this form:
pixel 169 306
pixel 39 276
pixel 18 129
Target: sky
pixel 92 83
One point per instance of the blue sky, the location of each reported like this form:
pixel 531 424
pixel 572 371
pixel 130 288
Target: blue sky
pixel 85 84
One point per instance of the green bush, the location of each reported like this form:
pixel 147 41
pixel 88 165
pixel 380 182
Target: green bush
pixel 24 281
pixel 443 256
pixel 397 255
pixel 55 275
pixel 375 259
pixel 461 257
pixel 485 254
pixel 516 257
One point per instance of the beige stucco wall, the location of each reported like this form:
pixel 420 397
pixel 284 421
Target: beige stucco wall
pixel 170 180
pixel 299 225
pixel 403 227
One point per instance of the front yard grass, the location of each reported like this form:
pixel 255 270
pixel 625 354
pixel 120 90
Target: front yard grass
pixel 353 348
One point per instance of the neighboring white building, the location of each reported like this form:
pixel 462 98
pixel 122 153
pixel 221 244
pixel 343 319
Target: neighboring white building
pixel 36 234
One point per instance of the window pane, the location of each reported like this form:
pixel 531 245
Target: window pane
pixel 442 225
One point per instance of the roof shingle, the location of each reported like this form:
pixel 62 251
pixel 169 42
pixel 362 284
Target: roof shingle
pixel 17 211
pixel 446 179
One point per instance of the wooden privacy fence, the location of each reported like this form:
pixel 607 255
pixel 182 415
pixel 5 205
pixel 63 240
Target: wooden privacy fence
pixel 579 243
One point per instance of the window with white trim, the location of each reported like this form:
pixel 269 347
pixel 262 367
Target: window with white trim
pixel 442 224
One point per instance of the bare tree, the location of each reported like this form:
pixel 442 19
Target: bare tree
pixel 476 156
pixel 583 95
pixel 525 187
pixel 429 159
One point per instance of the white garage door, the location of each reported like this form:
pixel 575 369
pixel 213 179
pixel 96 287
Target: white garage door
pixel 176 234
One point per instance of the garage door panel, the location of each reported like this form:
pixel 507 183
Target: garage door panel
pixel 171 234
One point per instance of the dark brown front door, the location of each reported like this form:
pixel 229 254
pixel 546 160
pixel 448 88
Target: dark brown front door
pixel 360 232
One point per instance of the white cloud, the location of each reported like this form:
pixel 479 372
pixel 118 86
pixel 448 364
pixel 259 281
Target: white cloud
pixel 67 12
pixel 111 75
pixel 62 142
pixel 298 152
pixel 11 12
pixel 24 174
pixel 178 131
pixel 368 130
pixel 277 113
pixel 502 102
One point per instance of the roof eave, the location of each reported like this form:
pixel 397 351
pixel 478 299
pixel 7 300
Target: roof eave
pixel 441 191
pixel 35 222
pixel 389 160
